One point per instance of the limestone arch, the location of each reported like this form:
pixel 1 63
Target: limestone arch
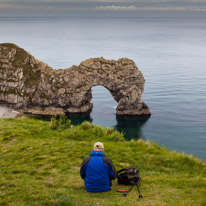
pixel 123 80
pixel 32 86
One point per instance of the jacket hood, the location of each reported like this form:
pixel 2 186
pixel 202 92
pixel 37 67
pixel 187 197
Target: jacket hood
pixel 97 153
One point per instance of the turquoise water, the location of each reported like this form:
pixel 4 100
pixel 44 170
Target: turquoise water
pixel 170 52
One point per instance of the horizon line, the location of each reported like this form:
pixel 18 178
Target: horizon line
pixel 61 17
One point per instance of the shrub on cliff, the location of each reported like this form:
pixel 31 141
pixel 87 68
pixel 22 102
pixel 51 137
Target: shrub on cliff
pixel 62 123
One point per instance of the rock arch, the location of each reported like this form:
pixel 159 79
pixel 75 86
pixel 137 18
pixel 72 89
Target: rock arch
pixel 30 85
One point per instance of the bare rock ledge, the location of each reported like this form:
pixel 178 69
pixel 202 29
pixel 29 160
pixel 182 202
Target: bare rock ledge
pixel 31 86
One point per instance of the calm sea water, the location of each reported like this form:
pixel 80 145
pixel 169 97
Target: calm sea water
pixel 170 52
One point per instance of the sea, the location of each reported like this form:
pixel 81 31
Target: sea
pixel 170 52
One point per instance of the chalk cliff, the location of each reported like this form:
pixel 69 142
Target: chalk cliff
pixel 29 85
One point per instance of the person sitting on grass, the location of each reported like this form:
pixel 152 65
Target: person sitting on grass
pixel 97 170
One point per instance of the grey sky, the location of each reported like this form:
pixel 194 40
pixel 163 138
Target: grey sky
pixel 102 7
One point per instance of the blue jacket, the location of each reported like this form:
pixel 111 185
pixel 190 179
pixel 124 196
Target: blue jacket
pixel 97 171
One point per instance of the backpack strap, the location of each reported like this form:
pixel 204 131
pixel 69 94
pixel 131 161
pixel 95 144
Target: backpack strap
pixel 121 170
pixel 119 176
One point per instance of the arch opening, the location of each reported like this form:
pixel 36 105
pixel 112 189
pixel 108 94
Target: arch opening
pixel 104 106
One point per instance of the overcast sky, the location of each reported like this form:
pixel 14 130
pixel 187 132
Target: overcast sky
pixel 80 8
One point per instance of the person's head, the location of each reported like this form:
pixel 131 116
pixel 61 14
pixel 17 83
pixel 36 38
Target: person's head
pixel 98 146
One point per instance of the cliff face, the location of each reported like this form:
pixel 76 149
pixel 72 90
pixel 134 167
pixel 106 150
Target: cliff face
pixel 30 85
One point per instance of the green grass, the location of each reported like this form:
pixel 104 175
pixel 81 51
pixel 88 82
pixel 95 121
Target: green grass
pixel 40 166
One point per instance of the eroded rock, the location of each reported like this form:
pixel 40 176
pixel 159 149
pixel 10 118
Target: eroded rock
pixel 8 113
pixel 30 85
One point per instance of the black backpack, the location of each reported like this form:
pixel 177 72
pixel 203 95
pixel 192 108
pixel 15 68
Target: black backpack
pixel 129 176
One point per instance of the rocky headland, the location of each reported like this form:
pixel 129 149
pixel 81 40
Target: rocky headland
pixel 31 86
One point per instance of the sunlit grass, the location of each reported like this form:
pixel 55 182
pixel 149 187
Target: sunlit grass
pixel 40 166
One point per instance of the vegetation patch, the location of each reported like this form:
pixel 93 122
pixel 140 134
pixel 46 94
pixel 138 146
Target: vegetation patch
pixel 40 166
pixel 20 57
pixel 10 91
pixel 80 86
pixel 10 45
pixel 32 76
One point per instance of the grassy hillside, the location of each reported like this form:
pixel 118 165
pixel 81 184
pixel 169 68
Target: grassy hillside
pixel 40 166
